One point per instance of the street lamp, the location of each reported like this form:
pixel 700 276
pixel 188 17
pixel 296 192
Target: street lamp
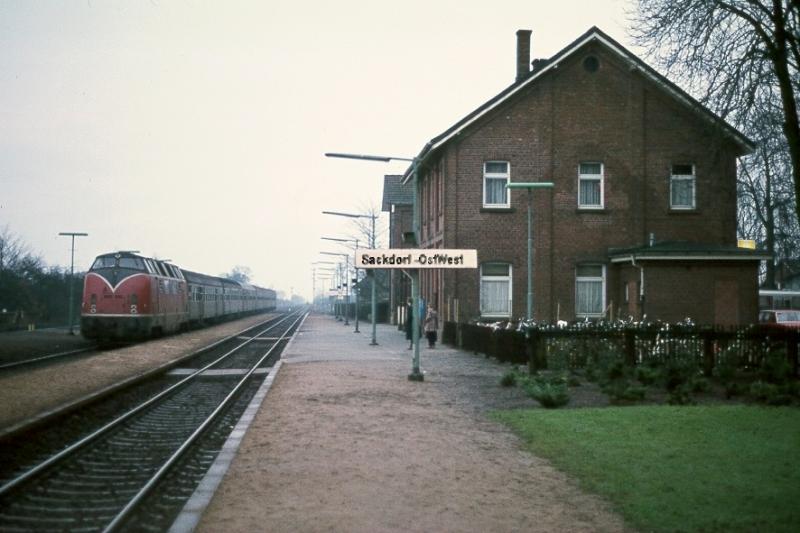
pixel 346 284
pixel 530 186
pixel 314 269
pixel 373 297
pixel 358 290
pixel 416 374
pixel 72 273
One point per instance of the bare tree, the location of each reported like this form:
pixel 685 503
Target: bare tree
pixel 766 198
pixel 363 227
pixel 12 250
pixel 729 52
pixel 240 273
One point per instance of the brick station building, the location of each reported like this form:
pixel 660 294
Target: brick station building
pixel 398 201
pixel 642 216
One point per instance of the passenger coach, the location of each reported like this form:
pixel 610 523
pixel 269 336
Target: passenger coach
pixel 128 296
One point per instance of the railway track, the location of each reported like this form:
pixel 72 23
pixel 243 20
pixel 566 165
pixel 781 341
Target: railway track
pixel 135 472
pixel 44 359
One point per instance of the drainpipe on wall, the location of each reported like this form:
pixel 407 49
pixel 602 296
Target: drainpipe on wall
pixel 641 284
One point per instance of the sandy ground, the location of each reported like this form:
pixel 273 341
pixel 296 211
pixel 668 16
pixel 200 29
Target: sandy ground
pixel 351 445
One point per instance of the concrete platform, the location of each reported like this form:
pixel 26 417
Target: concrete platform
pixel 343 441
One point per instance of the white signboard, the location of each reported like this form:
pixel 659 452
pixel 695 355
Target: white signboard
pixel 413 258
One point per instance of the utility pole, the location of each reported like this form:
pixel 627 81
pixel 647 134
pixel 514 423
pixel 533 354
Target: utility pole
pixel 72 274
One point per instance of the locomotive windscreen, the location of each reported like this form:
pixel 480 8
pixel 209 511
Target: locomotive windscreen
pixel 110 261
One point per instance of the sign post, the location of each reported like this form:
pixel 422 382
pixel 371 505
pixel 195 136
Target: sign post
pixel 414 260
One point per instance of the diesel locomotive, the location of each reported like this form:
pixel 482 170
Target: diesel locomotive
pixel 128 296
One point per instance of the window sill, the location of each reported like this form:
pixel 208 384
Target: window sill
pixel 498 210
pixel 592 210
pixel 693 211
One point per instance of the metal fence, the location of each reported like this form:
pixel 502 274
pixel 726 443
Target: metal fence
pixel 576 346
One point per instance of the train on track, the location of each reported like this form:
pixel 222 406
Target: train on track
pixel 127 296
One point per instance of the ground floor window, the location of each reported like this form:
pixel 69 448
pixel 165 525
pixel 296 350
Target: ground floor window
pixel 590 290
pixel 496 290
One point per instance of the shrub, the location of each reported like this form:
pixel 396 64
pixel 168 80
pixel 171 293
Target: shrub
pixel 624 391
pixel 680 395
pixel 549 379
pixel 726 369
pixel 699 384
pixel 769 393
pixel 647 375
pixel 677 372
pixel 792 388
pixel 591 372
pixel 550 395
pixel 733 388
pixel 615 370
pixel 509 379
pixel 776 368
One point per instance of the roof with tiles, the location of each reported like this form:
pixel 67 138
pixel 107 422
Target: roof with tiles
pixel 541 67
pixel 395 192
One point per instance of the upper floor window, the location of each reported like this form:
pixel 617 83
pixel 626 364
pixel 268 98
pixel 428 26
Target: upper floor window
pixel 495 177
pixel 496 289
pixel 682 187
pixel 590 186
pixel 590 290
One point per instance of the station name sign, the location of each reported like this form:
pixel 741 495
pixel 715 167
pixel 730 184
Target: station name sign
pixel 413 258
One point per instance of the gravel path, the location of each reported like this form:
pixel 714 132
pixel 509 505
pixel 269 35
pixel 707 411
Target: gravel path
pixel 344 442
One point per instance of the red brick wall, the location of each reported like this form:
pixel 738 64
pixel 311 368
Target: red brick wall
pixel 400 222
pixel 613 116
pixel 669 286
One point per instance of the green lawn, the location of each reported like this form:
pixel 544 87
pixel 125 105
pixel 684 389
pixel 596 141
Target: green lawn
pixel 719 468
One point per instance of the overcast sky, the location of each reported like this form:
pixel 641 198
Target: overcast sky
pixel 195 131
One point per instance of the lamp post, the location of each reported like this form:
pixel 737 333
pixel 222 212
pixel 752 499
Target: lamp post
pixel 314 270
pixel 346 284
pixel 530 186
pixel 370 274
pixel 416 374
pixel 358 290
pixel 72 273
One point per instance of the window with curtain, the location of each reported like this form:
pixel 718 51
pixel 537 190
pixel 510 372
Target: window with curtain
pixel 590 185
pixel 496 290
pixel 495 177
pixel 682 187
pixel 589 290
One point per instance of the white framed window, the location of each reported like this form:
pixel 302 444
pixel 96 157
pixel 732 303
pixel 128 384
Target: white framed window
pixel 495 177
pixel 682 187
pixel 590 185
pixel 496 290
pixel 590 290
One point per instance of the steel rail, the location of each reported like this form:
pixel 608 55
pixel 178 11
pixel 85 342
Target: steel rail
pixel 147 487
pixel 45 358
pixel 97 433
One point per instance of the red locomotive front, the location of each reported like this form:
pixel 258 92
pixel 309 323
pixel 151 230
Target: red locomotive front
pixel 117 298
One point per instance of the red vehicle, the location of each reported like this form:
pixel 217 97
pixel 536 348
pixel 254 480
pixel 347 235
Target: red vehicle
pixel 780 318
pixel 127 296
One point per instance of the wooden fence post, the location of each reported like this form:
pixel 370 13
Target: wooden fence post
pixel 532 345
pixel 708 354
pixel 630 347
pixel 791 351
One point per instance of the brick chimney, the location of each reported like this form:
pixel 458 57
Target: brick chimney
pixel 523 54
